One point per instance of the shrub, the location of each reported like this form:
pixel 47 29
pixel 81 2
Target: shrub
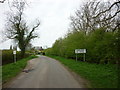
pixel 8 57
pixel 99 44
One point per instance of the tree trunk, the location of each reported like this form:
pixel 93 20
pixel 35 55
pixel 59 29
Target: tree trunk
pixel 22 53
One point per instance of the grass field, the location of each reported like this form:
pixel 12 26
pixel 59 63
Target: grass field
pixel 11 70
pixel 99 75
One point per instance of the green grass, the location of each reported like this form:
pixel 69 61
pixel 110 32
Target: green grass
pixel 11 70
pixel 99 75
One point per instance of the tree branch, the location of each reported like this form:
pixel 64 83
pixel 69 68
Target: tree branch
pixel 2 1
pixel 34 28
pixel 30 36
pixel 107 9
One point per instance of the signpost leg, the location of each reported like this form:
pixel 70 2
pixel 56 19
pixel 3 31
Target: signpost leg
pixel 15 58
pixel 84 57
pixel 76 57
pixel 14 53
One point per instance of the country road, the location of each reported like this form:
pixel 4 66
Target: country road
pixel 46 73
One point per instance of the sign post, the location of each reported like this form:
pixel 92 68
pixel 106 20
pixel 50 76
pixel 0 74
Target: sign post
pixel 80 51
pixel 84 57
pixel 14 52
pixel 76 57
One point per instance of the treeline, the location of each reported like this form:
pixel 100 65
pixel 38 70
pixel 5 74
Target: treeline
pixel 100 46
pixel 94 27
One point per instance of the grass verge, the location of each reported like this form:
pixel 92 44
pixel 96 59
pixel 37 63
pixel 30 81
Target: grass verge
pixel 11 70
pixel 99 75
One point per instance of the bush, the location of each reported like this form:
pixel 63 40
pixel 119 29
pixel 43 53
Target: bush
pixel 8 57
pixel 99 44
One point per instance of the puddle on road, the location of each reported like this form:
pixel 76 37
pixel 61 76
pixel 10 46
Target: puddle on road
pixel 27 70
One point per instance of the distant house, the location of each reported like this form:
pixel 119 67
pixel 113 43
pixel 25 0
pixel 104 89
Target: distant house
pixel 38 50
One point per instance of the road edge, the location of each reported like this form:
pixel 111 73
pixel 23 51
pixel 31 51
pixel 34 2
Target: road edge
pixel 85 84
pixel 6 84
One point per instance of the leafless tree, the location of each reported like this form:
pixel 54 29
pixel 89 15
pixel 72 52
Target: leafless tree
pixel 83 17
pixel 111 15
pixel 93 15
pixel 2 1
pixel 17 28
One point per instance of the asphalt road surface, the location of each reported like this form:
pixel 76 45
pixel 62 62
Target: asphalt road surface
pixel 45 72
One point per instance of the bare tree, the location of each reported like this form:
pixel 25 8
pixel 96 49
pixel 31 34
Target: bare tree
pixel 93 15
pixel 83 17
pixel 18 29
pixel 2 1
pixel 112 15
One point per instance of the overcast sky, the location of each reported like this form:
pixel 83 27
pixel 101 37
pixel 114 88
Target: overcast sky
pixel 53 14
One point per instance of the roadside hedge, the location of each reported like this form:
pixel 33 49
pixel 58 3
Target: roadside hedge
pixel 100 45
pixel 8 57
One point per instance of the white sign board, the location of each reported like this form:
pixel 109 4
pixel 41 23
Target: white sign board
pixel 14 52
pixel 80 50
